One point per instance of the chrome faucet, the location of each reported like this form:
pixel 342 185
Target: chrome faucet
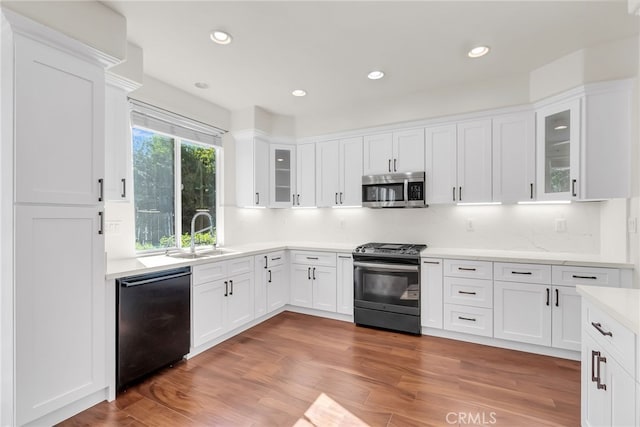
pixel 193 228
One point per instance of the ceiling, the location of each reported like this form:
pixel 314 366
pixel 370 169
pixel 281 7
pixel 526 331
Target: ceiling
pixel 328 47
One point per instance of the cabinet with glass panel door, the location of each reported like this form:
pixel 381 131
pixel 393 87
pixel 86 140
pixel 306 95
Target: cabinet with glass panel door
pixel 281 176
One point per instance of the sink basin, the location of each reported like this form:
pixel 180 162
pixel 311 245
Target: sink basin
pixel 199 254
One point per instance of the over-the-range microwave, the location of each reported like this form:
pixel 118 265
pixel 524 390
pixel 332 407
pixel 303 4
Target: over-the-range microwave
pixel 394 190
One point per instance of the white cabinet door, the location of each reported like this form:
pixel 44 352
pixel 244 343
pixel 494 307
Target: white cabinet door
pixel 431 299
pixel 240 300
pixel 324 288
pixel 345 284
pixel 327 173
pixel 565 318
pixel 474 161
pixel 408 151
pixel 378 154
pixel 522 312
pixel 59 126
pixel 558 150
pixel 305 175
pixel 209 311
pixel 514 159
pixel 277 289
pixel 441 164
pixel 351 172
pixel 260 285
pixel 301 286
pixel 59 308
pixel 261 176
pixel 252 171
pixel 118 172
pixel 282 175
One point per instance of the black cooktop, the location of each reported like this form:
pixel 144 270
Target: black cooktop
pixel 390 249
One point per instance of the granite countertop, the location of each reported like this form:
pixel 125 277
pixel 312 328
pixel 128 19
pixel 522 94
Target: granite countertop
pixel 620 303
pixel 146 264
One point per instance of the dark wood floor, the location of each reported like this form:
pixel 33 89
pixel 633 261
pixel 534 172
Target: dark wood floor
pixel 271 374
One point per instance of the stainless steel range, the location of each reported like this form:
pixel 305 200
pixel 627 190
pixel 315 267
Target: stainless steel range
pixel 387 286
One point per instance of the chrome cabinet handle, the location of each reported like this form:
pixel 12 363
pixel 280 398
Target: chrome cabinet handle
pixel 231 283
pixel 598 326
pixel 100 189
pixel 314 273
pixel 101 217
pixel 226 288
pixel 467 318
pixel 124 188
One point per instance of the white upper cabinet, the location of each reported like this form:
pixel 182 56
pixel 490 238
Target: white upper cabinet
pixel 401 151
pixel 458 159
pixel 252 171
pixel 282 175
pixel 305 194
pixel 474 161
pixel 327 173
pixel 441 161
pixel 118 181
pixel 514 157
pixel 339 172
pixel 583 143
pixel 59 122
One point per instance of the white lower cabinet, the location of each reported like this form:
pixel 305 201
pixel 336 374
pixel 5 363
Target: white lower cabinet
pixel 314 282
pixel 608 390
pixel 522 312
pixel 344 303
pixel 220 305
pixel 467 319
pixel 565 318
pixel 431 293
pixel 271 291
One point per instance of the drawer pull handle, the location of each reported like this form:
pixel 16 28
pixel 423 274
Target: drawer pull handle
pixel 275 259
pixel 431 262
pixel 576 276
pixel 466 293
pixel 344 257
pixel 312 257
pixel 598 326
pixel 522 272
pixel 466 269
pixel 467 318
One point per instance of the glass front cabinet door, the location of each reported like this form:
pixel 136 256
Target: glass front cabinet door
pixel 282 167
pixel 558 144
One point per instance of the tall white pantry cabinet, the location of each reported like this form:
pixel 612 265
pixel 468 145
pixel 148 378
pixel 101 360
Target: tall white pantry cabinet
pixel 53 302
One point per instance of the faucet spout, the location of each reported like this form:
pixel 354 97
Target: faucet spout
pixel 193 228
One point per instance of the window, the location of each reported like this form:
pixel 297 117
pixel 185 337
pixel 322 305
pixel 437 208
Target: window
pixel 174 179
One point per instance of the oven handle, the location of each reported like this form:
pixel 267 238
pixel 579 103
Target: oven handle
pixel 387 267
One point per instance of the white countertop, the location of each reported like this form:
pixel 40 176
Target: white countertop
pixel 620 303
pixel 146 264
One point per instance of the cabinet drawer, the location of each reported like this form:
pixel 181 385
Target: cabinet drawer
pixel 611 335
pixel 471 269
pixel 471 292
pixel 314 258
pixel 563 275
pixel 209 272
pixel 239 266
pixel 470 320
pixel 524 273
pixel 275 258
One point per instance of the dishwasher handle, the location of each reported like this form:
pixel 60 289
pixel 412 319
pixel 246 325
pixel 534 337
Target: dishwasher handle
pixel 131 283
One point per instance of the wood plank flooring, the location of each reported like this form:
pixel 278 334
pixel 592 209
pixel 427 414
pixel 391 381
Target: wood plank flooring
pixel 272 374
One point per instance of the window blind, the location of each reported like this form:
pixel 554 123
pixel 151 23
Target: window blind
pixel 160 120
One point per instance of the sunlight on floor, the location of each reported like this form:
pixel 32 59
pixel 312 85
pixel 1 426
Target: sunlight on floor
pixel 327 412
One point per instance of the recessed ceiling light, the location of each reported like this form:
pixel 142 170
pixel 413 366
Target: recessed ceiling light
pixel 375 75
pixel 299 92
pixel 560 127
pixel 478 51
pixel 220 37
pixel 201 85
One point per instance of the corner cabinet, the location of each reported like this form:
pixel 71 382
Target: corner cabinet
pixel 57 133
pixel 583 143
pixel 252 170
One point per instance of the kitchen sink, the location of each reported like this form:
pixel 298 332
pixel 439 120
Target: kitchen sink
pixel 200 254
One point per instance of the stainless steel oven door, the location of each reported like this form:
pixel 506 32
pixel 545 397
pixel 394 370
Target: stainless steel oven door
pixel 387 286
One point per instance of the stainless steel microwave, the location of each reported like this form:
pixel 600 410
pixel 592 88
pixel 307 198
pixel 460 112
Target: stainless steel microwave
pixel 395 190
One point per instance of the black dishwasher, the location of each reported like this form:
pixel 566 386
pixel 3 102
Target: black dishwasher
pixel 153 322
